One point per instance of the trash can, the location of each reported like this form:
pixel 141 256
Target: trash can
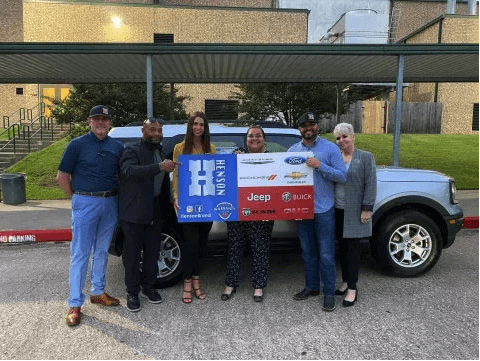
pixel 13 188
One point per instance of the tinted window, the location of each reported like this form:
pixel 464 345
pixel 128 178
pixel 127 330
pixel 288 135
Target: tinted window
pixel 226 143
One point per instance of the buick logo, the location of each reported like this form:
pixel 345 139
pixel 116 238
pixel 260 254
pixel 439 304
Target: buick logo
pixel 295 160
pixel 286 196
pixel 246 212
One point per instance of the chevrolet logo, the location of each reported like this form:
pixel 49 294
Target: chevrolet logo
pixel 296 175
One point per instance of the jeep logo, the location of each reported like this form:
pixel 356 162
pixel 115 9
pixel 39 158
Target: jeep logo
pixel 259 197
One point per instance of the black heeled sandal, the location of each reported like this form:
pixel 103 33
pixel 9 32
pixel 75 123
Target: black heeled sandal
pixel 187 291
pixel 197 290
pixel 258 298
pixel 226 296
pixel 339 291
pixel 346 303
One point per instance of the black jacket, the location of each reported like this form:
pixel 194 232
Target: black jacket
pixel 137 203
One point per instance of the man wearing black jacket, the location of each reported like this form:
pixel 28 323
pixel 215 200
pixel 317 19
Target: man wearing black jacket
pixel 144 194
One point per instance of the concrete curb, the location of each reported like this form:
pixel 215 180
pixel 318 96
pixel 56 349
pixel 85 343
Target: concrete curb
pixel 65 234
pixel 36 236
pixel 470 223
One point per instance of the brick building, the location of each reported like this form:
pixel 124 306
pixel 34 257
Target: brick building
pixel 419 22
pixel 142 21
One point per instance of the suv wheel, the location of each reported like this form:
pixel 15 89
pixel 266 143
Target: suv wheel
pixel 169 261
pixel 408 243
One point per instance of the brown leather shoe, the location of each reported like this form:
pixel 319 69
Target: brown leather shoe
pixel 105 299
pixel 74 316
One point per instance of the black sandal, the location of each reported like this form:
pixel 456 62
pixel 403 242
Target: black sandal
pixel 226 296
pixel 198 292
pixel 187 291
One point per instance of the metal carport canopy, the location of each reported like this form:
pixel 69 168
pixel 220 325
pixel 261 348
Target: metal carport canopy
pixel 39 63
pixel 239 63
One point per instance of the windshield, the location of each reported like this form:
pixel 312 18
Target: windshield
pixel 227 143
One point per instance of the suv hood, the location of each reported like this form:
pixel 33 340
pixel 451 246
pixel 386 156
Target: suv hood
pixel 394 174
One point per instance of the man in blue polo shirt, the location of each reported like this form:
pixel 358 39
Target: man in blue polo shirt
pixel 317 235
pixel 88 175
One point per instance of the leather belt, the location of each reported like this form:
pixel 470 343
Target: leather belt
pixel 97 194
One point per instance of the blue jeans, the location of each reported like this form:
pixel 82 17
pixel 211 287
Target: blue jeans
pixel 93 222
pixel 317 237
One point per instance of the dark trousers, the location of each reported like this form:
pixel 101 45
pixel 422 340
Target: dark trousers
pixel 349 252
pixel 195 236
pixel 138 238
pixel 258 234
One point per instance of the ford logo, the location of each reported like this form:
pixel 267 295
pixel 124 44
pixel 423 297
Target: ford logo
pixel 295 160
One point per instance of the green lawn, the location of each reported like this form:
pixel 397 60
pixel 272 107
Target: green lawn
pixel 455 155
pixel 41 171
pixel 4 136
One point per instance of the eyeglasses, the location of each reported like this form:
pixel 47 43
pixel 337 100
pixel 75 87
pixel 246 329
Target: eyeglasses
pixel 254 136
pixel 341 137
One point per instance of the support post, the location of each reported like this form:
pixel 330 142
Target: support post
pixel 451 5
pixel 472 7
pixel 149 87
pixel 338 104
pixel 398 110
pixel 172 98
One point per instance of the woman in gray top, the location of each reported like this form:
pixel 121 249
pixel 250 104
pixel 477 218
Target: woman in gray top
pixel 354 202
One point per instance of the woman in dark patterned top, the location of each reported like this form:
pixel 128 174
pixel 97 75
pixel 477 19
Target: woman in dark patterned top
pixel 257 233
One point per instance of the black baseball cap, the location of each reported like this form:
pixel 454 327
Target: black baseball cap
pixel 307 117
pixel 100 110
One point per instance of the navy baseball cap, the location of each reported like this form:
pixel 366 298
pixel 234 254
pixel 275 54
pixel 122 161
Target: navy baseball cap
pixel 100 110
pixel 307 117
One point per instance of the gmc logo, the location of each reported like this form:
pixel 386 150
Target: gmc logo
pixel 296 210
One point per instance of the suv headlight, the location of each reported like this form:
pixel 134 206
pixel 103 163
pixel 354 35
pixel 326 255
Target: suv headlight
pixel 453 192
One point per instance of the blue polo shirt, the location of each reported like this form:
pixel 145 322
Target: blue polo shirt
pixel 92 163
pixel 332 169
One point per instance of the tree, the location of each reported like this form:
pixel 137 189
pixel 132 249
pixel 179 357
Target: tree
pixel 127 101
pixel 263 100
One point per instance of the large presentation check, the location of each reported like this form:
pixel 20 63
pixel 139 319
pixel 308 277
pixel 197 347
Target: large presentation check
pixel 245 187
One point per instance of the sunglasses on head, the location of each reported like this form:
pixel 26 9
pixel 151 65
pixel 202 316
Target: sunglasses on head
pixel 153 120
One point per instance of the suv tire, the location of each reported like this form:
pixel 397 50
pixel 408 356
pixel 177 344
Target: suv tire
pixel 169 260
pixel 407 243
pixel 170 268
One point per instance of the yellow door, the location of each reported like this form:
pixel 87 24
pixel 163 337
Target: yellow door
pixel 48 95
pixel 64 92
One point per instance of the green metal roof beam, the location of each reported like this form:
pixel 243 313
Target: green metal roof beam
pixel 265 49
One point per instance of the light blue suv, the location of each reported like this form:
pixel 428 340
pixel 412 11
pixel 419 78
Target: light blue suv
pixel 415 215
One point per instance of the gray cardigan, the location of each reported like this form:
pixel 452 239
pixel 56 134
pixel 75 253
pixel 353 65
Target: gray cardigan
pixel 360 194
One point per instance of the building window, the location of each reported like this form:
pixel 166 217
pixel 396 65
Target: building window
pixel 475 117
pixel 221 109
pixel 162 38
pixel 19 91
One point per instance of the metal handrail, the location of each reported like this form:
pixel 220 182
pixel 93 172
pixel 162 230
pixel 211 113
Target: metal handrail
pixel 13 126
pixel 23 114
pixel 25 131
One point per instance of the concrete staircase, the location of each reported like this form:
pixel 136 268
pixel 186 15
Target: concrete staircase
pixel 11 153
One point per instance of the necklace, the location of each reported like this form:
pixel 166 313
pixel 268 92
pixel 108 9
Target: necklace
pixel 347 157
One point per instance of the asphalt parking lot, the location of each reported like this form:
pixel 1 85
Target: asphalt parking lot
pixel 434 316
